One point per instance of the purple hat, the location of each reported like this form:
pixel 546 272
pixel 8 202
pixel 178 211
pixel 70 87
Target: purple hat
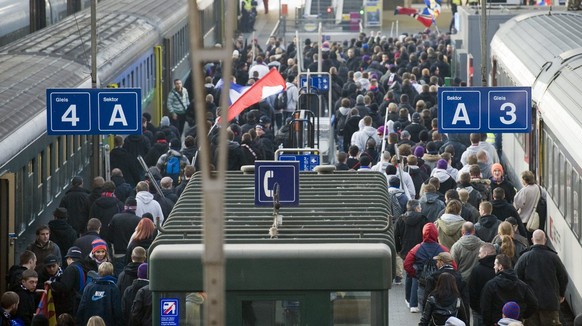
pixel 442 164
pixel 366 58
pixel 419 151
pixel 142 271
pixel 511 310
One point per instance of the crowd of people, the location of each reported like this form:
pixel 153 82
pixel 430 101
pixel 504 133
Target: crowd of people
pixel 460 225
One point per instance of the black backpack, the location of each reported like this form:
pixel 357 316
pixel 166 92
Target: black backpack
pixel 282 101
pixel 428 267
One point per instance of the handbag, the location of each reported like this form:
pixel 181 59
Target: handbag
pixel 534 220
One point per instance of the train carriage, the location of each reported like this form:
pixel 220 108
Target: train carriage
pixel 138 46
pixel 544 51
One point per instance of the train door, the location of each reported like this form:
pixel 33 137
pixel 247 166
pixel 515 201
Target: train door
pixel 533 143
pixel 7 182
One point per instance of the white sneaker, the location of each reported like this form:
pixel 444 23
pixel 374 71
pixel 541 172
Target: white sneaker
pixel 414 310
pixel 407 303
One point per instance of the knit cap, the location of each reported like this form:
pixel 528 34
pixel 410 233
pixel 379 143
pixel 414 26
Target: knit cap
pixel 511 310
pixel 496 166
pixel 165 121
pixel 419 151
pixel 142 271
pixel 98 244
pixel 441 164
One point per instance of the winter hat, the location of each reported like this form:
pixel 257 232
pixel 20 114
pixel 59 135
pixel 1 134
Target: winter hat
pixel 419 151
pixel 165 121
pixel 365 58
pixel 380 131
pixel 405 134
pixel 416 117
pixel 360 99
pixel 142 271
pixel 442 164
pixel 496 166
pixel 60 213
pixel 74 252
pixel 98 244
pixel 511 310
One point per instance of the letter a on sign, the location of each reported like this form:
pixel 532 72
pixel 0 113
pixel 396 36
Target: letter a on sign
pixel 119 116
pixel 461 114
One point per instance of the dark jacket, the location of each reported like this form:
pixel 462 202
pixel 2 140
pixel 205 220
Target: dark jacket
pixel 503 209
pixel 141 310
pixel 541 268
pixel 431 205
pixel 127 162
pixel 41 252
pixel 142 243
pixel 505 286
pixel 103 209
pixel 440 308
pixel 62 234
pixel 481 273
pixel 136 145
pixel 76 201
pixel 84 242
pixel 128 298
pixel 101 298
pixel 26 306
pixel 157 150
pixel 123 189
pixel 506 185
pixel 14 277
pixel 127 276
pixel 486 228
pixel 431 282
pixel 69 286
pixel 408 232
pixel 121 228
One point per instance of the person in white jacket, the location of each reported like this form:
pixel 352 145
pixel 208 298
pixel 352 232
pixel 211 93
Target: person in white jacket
pixel 360 138
pixel 146 203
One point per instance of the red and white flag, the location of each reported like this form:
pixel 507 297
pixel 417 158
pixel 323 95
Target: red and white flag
pixel 272 83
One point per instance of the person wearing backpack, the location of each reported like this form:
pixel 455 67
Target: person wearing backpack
pixel 172 163
pixel 420 255
pixel 360 138
pixel 292 97
pixel 71 284
pixel 341 116
pixel 444 302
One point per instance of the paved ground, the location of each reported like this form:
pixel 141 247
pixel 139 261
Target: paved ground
pixel 400 315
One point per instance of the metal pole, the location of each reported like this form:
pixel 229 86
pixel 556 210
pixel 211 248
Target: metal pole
pixel 213 184
pixel 95 139
pixel 484 43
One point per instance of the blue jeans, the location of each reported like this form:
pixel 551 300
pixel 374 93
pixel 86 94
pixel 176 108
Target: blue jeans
pixel 411 288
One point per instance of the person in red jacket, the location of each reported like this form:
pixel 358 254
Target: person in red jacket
pixel 415 259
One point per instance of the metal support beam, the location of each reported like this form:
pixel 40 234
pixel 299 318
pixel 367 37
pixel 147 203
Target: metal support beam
pixel 213 184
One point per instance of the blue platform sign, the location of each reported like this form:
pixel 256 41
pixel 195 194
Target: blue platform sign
pixel 169 312
pixel 319 82
pixel 484 109
pixel 273 175
pixel 79 111
pixel 307 162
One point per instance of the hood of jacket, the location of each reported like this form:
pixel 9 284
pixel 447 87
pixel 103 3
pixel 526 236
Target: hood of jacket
pixel 488 221
pixel 144 196
pixel 370 131
pixel 470 242
pixel 431 197
pixel 507 279
pixel 440 174
pixel 450 223
pixel 430 233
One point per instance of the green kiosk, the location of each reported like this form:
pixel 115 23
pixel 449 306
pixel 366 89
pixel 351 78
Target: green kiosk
pixel 329 261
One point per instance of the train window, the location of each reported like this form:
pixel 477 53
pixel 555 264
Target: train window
pixel 39 181
pixel 577 227
pixel 556 173
pixel 562 182
pixel 271 312
pixel 573 201
pixel 351 308
pixel 568 194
